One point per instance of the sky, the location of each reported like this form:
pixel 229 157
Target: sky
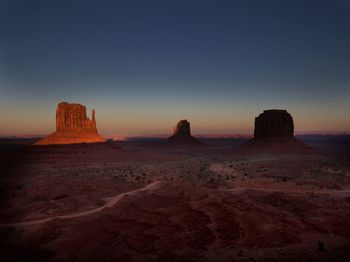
pixel 144 65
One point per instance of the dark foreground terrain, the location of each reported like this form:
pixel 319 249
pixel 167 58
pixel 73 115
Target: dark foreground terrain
pixel 146 201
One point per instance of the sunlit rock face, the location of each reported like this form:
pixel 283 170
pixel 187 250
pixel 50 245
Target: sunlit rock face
pixel 274 123
pixel 274 130
pixel 73 126
pixel 73 117
pixel 182 134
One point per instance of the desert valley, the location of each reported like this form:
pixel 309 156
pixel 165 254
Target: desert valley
pixel 175 131
pixel 270 198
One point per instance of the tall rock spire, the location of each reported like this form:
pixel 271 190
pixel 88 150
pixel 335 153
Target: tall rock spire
pixel 93 119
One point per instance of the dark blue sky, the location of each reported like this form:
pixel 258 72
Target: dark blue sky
pixel 217 63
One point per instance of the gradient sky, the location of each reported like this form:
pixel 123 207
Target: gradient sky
pixel 144 65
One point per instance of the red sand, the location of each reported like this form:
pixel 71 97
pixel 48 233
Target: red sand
pixel 104 202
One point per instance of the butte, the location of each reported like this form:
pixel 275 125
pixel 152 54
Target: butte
pixel 182 135
pixel 274 130
pixel 73 126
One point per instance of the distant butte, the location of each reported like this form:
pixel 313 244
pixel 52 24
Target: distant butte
pixel 274 129
pixel 274 123
pixel 182 134
pixel 73 126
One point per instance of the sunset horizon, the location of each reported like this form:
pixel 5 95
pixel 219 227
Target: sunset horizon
pixel 241 124
pixel 175 130
pixel 144 66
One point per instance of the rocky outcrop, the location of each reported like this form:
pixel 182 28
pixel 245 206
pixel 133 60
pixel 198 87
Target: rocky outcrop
pixel 182 134
pixel 73 126
pixel 274 130
pixel 274 123
pixel 73 117
pixel 182 128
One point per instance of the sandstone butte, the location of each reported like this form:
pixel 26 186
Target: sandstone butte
pixel 73 126
pixel 182 134
pixel 274 129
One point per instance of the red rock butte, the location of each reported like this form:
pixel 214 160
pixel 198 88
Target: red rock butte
pixel 73 126
pixel 274 130
pixel 182 134
pixel 274 123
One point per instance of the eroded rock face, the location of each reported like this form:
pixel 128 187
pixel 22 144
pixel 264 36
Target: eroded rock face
pixel 274 123
pixel 73 126
pixel 73 117
pixel 182 134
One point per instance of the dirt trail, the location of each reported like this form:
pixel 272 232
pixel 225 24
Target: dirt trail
pixel 109 203
pixel 337 193
pixel 114 200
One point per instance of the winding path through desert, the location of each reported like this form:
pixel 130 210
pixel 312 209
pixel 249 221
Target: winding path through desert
pixel 109 203
pixel 114 200
pixel 338 193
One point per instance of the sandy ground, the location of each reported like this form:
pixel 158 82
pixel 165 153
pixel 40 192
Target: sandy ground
pixel 150 202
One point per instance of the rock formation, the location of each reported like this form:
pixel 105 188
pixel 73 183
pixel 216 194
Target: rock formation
pixel 274 129
pixel 73 126
pixel 182 128
pixel 274 123
pixel 182 134
pixel 73 117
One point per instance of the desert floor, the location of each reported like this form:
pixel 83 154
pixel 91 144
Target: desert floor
pixel 146 201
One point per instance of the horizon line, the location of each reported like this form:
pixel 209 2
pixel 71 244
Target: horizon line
pixel 200 135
